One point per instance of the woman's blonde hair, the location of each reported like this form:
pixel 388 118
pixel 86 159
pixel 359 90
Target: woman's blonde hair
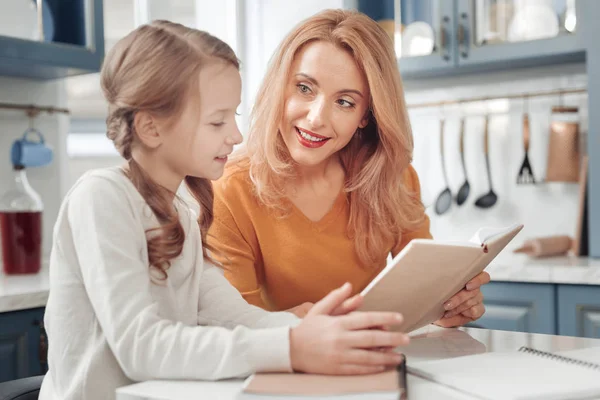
pixel 375 160
pixel 154 69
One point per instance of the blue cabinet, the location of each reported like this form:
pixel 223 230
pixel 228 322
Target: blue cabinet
pixel 415 55
pixel 482 35
pixel 520 307
pixel 569 310
pixel 23 345
pixel 74 45
pixel 579 310
pixel 491 35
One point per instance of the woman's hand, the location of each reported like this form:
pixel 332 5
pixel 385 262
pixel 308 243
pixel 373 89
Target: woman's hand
pixel 344 344
pixel 466 305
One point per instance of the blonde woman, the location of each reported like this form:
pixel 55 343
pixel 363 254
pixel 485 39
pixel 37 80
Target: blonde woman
pixel 132 295
pixel 324 189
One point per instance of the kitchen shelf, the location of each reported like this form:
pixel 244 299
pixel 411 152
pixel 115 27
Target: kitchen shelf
pixel 77 46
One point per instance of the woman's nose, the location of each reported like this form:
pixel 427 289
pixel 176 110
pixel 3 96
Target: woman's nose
pixel 317 113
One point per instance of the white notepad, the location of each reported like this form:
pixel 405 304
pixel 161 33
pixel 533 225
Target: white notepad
pixel 517 375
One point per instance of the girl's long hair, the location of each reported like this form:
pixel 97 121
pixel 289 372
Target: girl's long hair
pixel 152 69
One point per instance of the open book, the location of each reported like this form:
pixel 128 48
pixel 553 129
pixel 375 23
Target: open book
pixel 427 273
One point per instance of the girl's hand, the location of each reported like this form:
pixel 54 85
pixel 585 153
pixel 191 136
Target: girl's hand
pixel 346 307
pixel 301 310
pixel 344 345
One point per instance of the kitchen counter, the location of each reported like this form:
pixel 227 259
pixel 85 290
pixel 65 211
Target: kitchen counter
pixel 428 343
pixel 19 292
pixel 558 270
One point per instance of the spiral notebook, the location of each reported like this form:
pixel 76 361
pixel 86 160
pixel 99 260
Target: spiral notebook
pixel 526 374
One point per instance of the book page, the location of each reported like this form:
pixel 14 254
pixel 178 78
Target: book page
pixel 486 234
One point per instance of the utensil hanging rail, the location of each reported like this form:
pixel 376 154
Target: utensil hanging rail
pixel 32 110
pixel 559 92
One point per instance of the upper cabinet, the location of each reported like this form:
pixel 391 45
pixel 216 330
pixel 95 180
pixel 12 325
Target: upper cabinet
pixel 443 37
pixel 518 32
pixel 425 40
pixel 49 39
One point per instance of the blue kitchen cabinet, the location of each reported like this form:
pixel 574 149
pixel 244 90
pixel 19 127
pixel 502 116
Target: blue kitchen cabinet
pixel 579 310
pixel 438 14
pixel 493 35
pixel 520 307
pixel 473 36
pixel 23 345
pixel 73 43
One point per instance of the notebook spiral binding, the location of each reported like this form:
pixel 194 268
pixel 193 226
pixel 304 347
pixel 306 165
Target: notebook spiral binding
pixel 556 357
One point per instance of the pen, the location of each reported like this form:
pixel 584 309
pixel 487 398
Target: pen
pixel 402 381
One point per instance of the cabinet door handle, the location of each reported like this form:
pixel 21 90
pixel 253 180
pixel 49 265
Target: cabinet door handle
pixel 463 34
pixel 444 38
pixel 42 347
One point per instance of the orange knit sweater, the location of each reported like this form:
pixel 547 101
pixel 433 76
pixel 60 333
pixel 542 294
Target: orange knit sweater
pixel 280 262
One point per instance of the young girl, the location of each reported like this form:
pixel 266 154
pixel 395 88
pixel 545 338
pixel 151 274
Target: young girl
pixel 133 296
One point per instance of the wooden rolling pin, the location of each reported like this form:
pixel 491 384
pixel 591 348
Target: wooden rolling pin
pixel 546 246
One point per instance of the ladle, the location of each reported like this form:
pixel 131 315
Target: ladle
pixel 444 200
pixel 490 198
pixel 464 190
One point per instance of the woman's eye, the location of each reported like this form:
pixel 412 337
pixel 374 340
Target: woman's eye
pixel 217 124
pixel 303 88
pixel 345 103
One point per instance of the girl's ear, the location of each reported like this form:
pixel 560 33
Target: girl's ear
pixel 145 128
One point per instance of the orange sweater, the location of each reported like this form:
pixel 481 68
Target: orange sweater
pixel 280 262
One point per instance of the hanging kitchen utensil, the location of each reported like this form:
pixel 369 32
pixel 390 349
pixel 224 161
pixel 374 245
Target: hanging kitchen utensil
pixel 564 157
pixel 464 190
pixel 490 198
pixel 444 200
pixel 526 172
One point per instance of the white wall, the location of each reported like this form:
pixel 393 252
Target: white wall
pixel 48 181
pixel 544 209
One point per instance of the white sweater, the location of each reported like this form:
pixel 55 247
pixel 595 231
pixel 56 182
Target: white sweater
pixel 108 325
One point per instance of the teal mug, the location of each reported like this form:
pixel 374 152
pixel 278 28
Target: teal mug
pixel 31 153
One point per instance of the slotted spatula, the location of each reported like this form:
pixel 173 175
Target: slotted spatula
pixel 525 175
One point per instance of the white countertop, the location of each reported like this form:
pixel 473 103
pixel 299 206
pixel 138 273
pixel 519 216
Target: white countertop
pixel 428 343
pixel 562 270
pixel 20 292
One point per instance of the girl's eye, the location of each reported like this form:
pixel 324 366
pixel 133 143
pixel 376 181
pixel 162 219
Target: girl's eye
pixel 345 103
pixel 303 88
pixel 218 124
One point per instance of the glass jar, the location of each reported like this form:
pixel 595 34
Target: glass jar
pixel 21 226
